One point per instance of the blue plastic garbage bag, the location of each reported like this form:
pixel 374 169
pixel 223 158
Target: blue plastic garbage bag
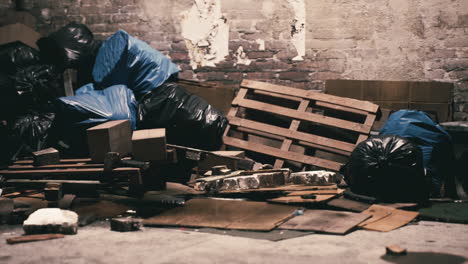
pixel 434 142
pixel 97 106
pixel 123 59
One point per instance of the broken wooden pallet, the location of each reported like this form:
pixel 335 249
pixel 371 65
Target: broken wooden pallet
pixel 319 124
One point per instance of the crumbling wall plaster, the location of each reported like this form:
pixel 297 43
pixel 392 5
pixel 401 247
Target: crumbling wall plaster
pixel 206 33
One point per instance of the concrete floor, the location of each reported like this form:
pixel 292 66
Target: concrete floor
pixel 427 242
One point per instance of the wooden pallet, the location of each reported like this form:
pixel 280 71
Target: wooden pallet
pixel 340 116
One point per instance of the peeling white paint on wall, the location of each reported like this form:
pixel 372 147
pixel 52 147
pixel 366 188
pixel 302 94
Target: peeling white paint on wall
pixel 261 44
pixel 298 30
pixel 241 57
pixel 206 33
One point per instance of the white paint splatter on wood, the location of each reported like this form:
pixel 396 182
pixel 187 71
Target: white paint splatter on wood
pixel 206 33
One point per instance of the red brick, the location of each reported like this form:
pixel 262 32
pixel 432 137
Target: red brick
pixel 294 76
pixel 211 76
pixel 179 46
pixel 235 76
pixel 179 56
pixel 260 54
pixel 261 75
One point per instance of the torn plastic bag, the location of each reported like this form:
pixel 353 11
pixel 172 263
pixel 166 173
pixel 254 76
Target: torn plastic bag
pixel 31 131
pixel 15 56
pixel 189 120
pixel 123 59
pixel 37 85
pixel 434 142
pixel 69 47
pixel 97 106
pixel 389 168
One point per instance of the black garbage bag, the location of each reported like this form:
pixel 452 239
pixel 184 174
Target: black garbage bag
pixel 38 85
pixel 189 120
pixel 69 47
pixel 31 131
pixel 389 168
pixel 15 56
pixel 8 98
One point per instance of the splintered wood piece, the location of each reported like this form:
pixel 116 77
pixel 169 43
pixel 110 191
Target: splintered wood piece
pixel 46 157
pixel 32 238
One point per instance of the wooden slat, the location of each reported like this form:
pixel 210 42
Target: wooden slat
pixel 287 155
pixel 95 173
pixel 353 103
pixel 292 127
pixel 369 121
pixel 61 161
pixel 56 166
pixel 300 142
pixel 317 103
pixel 324 120
pixel 318 140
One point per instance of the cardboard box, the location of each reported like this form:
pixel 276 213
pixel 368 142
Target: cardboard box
pixel 434 98
pixel 112 136
pixel 19 32
pixel 149 144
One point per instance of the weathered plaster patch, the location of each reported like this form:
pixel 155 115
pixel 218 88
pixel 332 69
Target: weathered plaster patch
pixel 298 29
pixel 206 33
pixel 241 57
pixel 261 44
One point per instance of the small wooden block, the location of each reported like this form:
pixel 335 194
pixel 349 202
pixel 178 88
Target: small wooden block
pixel 395 250
pixel 112 136
pixel 125 224
pixel 32 238
pixel 149 144
pixel 44 157
pixel 53 191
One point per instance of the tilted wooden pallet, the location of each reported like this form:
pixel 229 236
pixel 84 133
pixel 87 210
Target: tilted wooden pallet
pixel 332 116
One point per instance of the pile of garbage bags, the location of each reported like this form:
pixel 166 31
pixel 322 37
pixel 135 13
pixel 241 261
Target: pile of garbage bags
pixel 122 78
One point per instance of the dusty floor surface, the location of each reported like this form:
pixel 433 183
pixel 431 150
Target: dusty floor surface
pixel 427 242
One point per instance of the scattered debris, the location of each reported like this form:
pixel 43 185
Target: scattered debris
pixel 125 224
pixel 51 220
pixel 395 250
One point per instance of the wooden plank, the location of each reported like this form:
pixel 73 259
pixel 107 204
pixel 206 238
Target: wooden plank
pixel 293 126
pixel 61 161
pixel 326 221
pixel 310 117
pixel 32 238
pixel 287 133
pixel 56 166
pixel 353 103
pixel 369 121
pixel 282 154
pixel 86 174
pixel 317 103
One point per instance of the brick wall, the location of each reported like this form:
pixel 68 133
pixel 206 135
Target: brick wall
pixel 415 40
